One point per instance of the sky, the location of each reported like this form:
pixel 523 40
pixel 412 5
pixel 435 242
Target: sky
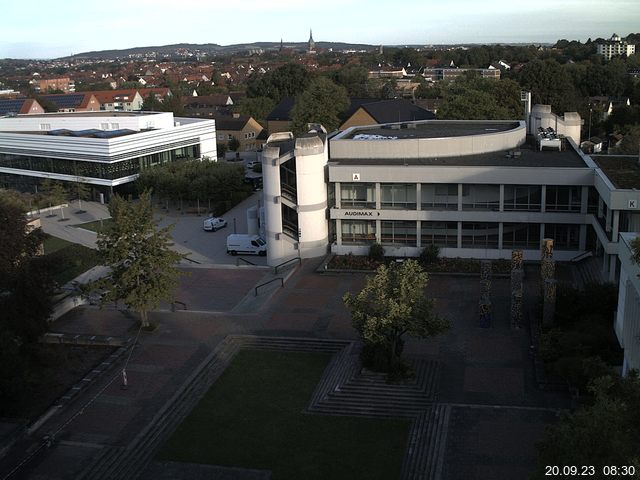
pixel 48 30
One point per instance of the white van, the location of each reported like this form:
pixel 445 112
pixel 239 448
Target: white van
pixel 243 243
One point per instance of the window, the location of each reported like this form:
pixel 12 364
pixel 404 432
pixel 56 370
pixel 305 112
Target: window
pixel 398 232
pixel 115 126
pixel 398 195
pixel 479 235
pixel 358 195
pixel 521 235
pixel 563 199
pixel 104 126
pixel 565 237
pixel 358 232
pixel 442 234
pixel 481 197
pixel 229 137
pixel 45 126
pixel 290 222
pixel 522 197
pixel 439 196
pixel 221 136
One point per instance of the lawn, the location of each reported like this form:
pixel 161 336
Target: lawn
pixel 253 417
pixel 66 260
pixel 96 225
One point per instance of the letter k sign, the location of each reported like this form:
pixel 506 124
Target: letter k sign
pixel 356 177
pixel 633 204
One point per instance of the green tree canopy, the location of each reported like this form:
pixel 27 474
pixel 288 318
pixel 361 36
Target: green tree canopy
pixel 288 80
pixel 322 102
pixel 257 107
pixel 475 98
pixel 393 304
pixel 144 269
pixel 604 433
pixel 355 79
pixel 550 84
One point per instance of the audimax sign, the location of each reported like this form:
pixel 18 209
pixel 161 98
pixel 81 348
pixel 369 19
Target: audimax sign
pixel 360 213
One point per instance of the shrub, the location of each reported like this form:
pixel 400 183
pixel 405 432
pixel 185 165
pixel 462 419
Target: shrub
pixel 376 252
pixel 429 254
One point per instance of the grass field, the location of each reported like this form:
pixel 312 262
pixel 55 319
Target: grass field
pixel 253 417
pixel 66 260
pixel 95 226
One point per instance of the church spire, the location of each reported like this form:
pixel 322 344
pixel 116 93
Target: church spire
pixel 312 45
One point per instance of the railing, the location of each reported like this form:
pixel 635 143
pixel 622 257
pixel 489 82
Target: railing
pixel 581 256
pixel 240 259
pixel 296 259
pixel 267 283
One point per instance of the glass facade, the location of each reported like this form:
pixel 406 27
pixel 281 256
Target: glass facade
pixel 565 237
pixel 288 180
pixel 525 198
pixel 481 197
pixel 358 195
pixel 290 222
pixel 521 235
pixel 439 196
pixel 395 232
pixel 442 234
pixel 105 170
pixel 358 232
pixel 563 199
pixel 479 235
pixel 398 195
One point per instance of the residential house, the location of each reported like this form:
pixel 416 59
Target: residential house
pixel 615 46
pixel 74 102
pixel 241 127
pixel 19 106
pixel 279 119
pixel 46 84
pixel 119 100
pixel 373 112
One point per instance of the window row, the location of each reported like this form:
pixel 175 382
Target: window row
pixel 106 170
pixel 445 196
pixel 472 234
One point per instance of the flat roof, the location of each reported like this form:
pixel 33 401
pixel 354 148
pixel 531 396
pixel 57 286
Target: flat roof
pixel 101 113
pixel 622 170
pixel 428 129
pixel 527 157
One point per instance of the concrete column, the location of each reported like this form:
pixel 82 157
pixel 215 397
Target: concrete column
pixel 543 198
pixel 541 233
pixel 607 222
pixel 501 205
pixel 418 229
pixel 378 232
pixel 459 198
pixel 459 234
pixel 500 232
pixel 377 198
pixel 337 194
pixel 600 206
pixel 612 268
pixel 584 200
pixel 615 226
pixel 339 232
pixel 583 238
pixel 418 196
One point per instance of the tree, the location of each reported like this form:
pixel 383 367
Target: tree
pixel 355 79
pixel 221 149
pixel 550 84
pixel 258 108
pixel 322 102
pixel 151 104
pixel 286 81
pixel 233 144
pixel 635 250
pixel 25 285
pixel 143 268
pixel 392 304
pixel 604 433
pixel 475 98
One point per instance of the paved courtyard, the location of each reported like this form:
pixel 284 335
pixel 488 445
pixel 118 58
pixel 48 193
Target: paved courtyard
pixel 497 413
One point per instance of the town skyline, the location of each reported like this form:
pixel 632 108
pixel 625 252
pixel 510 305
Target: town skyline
pixel 124 25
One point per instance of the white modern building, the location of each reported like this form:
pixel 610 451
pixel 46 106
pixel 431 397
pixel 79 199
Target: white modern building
pixel 104 149
pixel 476 189
pixel 615 47
pixel 627 322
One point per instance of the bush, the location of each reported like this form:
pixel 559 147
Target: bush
pixel 429 254
pixel 376 252
pixel 375 357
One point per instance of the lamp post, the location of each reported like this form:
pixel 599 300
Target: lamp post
pixel 590 110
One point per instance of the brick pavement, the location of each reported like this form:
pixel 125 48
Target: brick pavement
pixel 486 367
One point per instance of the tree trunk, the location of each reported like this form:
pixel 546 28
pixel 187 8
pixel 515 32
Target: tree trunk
pixel 144 319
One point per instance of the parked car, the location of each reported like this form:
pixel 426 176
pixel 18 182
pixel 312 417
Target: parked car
pixel 242 243
pixel 252 164
pixel 214 223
